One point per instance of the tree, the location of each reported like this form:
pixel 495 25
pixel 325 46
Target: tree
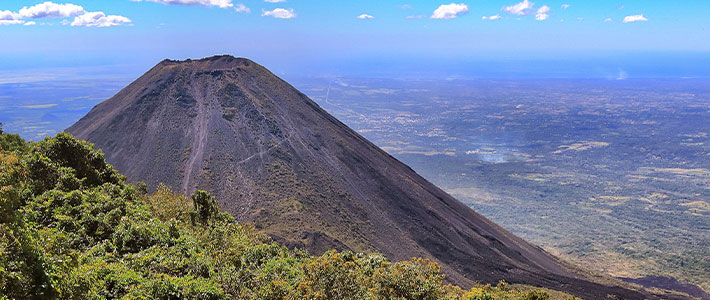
pixel 206 208
pixel 12 142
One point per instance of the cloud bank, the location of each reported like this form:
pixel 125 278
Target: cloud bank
pixel 51 10
pixel 6 15
pixel 493 17
pixel 99 19
pixel 527 8
pixel 279 13
pixel 242 8
pixel 218 3
pixel 635 18
pixel 10 22
pixel 449 11
pixel 542 13
pixel 520 9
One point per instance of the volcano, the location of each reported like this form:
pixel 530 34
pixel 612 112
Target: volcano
pixel 274 158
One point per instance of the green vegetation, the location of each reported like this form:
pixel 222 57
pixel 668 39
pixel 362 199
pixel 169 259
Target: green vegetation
pixel 11 142
pixel 72 228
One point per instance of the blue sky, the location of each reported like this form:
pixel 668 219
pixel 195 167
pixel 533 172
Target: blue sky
pixel 335 37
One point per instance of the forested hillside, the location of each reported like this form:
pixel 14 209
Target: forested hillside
pixel 72 228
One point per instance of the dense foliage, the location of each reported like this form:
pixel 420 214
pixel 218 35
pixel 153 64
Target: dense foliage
pixel 72 228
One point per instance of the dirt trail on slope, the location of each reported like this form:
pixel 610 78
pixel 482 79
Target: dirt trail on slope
pixel 197 150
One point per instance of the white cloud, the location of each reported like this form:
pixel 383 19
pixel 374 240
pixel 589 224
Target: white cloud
pixel 10 22
pixel 520 9
pixel 405 6
pixel 564 6
pixel 415 16
pixel 242 8
pixel 6 15
pixel 608 20
pixel 365 16
pixel 51 10
pixel 99 19
pixel 39 106
pixel 635 18
pixel 274 1
pixel 449 11
pixel 493 17
pixel 218 3
pixel 279 13
pixel 542 13
pixel 622 75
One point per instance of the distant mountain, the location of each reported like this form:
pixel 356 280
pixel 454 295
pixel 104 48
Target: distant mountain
pixel 273 157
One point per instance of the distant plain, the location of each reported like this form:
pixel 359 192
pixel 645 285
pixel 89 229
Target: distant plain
pixel 611 174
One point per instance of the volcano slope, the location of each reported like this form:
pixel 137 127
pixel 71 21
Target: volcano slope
pixel 274 158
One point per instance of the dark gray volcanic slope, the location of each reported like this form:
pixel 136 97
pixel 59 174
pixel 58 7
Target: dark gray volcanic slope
pixel 273 157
